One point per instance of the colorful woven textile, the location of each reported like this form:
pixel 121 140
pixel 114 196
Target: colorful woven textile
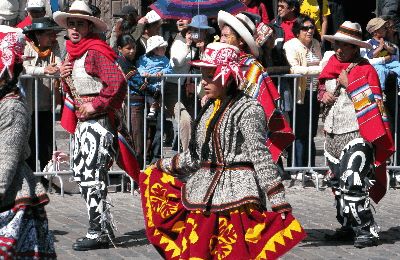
pixel 260 86
pixel 24 234
pixel 245 232
pixel 366 95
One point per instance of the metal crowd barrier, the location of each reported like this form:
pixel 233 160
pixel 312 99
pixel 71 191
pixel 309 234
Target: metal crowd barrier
pixel 313 169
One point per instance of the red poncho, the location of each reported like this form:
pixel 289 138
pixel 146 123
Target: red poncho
pixel 366 95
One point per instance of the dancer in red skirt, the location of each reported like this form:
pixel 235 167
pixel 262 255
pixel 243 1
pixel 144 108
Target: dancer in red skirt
pixel 210 202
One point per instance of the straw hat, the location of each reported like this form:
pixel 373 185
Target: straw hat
pixel 79 9
pixel 349 32
pixel 243 25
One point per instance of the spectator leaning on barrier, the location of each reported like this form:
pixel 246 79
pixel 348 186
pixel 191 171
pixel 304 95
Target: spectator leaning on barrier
pixel 182 51
pixel 12 11
pixel 96 89
pixel 24 228
pixel 304 55
pixel 43 58
pixel 358 140
pixel 155 63
pixel 381 48
pixel 34 9
pixel 127 61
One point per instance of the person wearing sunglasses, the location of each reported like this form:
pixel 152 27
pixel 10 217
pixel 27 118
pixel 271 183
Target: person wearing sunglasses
pixel 304 55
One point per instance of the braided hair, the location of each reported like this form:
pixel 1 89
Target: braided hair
pixel 10 84
pixel 233 95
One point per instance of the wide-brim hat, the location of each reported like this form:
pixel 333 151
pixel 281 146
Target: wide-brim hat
pixel 200 22
pixel 243 25
pixel 349 32
pixel 42 24
pixel 154 42
pixel 79 9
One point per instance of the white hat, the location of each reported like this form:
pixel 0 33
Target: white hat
pixel 349 32
pixel 152 17
pixel 79 9
pixel 154 42
pixel 243 25
pixel 35 4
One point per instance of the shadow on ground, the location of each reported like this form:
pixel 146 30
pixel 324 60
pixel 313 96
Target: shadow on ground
pixel 316 237
pixel 57 233
pixel 131 239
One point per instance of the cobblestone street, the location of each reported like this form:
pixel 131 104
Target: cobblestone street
pixel 314 210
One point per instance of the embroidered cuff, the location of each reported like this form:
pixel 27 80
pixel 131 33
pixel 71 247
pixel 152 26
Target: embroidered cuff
pixel 169 165
pixel 284 207
pixel 276 195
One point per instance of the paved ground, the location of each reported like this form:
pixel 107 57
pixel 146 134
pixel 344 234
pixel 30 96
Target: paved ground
pixel 314 210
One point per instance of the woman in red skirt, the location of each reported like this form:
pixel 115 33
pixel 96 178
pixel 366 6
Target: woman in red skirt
pixel 210 202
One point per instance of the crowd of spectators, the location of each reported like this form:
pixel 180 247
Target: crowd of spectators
pixel 290 42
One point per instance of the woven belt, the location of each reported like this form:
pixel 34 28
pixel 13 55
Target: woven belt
pixel 231 166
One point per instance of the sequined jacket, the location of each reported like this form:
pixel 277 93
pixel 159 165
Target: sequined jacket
pixel 243 172
pixel 18 185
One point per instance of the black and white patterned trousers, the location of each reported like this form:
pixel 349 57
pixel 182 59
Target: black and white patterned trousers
pixel 351 180
pixel 93 156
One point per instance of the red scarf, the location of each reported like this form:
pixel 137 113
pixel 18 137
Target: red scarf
pixel 76 50
pixel 372 120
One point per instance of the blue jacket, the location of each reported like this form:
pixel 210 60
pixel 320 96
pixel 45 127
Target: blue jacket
pixel 134 80
pixel 152 64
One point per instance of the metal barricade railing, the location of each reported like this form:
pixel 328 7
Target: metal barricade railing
pixel 180 81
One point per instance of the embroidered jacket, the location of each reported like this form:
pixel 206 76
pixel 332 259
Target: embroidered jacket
pixel 18 185
pixel 244 171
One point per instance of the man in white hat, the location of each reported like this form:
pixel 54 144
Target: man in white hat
pixel 358 140
pixel 239 31
pixel 96 88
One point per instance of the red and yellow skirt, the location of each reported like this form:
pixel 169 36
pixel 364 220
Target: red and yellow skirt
pixel 245 232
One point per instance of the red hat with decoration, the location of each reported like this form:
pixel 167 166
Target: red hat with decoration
pixel 12 46
pixel 225 58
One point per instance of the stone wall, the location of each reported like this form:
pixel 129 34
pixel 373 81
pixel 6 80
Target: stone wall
pixel 109 7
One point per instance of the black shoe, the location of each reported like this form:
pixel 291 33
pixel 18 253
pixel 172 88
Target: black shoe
pixel 341 234
pixel 109 236
pixel 365 241
pixel 90 244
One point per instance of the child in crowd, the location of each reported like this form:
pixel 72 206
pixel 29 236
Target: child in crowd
pixel 126 45
pixel 154 62
pixel 383 49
